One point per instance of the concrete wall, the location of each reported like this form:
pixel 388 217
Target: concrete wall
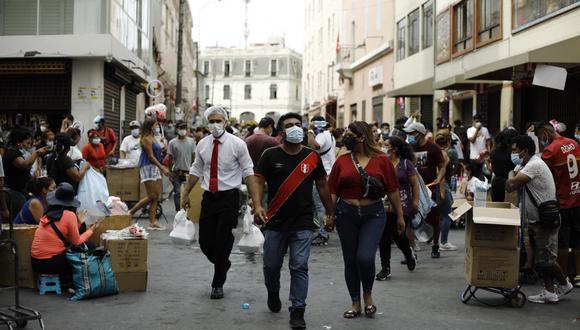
pixel 87 73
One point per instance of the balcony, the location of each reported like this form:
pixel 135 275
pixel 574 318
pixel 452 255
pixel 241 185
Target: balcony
pixel 344 59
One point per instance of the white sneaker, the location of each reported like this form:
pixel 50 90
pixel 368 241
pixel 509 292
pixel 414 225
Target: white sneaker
pixel 447 247
pixel 563 290
pixel 545 297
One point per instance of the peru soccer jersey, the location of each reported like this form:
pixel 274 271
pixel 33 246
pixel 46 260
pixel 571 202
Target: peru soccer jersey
pixel 563 157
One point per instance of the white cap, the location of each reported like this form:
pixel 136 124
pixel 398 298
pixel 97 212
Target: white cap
pixel 98 119
pixel 216 109
pixel 135 123
pixel 415 127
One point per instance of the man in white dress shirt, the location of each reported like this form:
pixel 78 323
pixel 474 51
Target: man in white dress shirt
pixel 222 161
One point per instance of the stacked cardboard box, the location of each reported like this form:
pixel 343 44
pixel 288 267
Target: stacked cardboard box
pixel 492 245
pixel 129 263
pixel 114 222
pixel 23 236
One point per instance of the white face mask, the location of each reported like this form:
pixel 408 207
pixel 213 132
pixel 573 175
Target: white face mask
pixel 49 144
pixel 43 128
pixel 216 129
pixel 182 132
pixel 96 140
pixel 135 132
pixel 157 130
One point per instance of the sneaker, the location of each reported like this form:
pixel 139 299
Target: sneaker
pixel 412 262
pixel 297 318
pixel 577 281
pixel 384 274
pixel 563 290
pixel 447 247
pixel 544 297
pixel 435 252
pixel 320 240
pixel 274 303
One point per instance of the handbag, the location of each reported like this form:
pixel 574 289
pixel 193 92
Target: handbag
pixel 371 187
pixel 92 273
pixel 549 212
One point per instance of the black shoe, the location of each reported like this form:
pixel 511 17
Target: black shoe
pixel 297 319
pixel 384 274
pixel 217 293
pixel 435 252
pixel 274 303
pixel 320 240
pixel 412 262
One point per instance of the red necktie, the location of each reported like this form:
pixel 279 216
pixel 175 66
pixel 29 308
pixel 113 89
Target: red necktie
pixel 213 171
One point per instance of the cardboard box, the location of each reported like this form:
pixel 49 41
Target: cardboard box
pixel 114 222
pixel 495 225
pixel 23 235
pixel 492 267
pixel 128 255
pixel 131 281
pixel 124 183
pixel 195 197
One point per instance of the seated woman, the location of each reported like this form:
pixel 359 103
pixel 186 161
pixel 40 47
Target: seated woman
pixel 48 253
pixel 34 208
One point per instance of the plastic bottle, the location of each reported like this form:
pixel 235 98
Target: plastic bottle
pixel 454 183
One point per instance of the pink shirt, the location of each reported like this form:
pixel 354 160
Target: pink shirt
pixel 47 244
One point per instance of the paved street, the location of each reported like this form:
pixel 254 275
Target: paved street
pixel 178 297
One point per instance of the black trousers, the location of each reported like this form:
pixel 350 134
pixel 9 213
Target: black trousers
pixel 390 234
pixel 498 189
pixel 55 265
pixel 219 215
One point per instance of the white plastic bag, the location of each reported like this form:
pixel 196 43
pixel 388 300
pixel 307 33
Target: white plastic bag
pixel 252 239
pixel 92 188
pixel 183 232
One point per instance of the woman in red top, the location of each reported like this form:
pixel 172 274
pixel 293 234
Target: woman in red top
pixel 94 152
pixel 360 221
pixel 48 253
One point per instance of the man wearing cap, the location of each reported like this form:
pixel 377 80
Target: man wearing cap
pixel 131 145
pixel 222 161
pixel 107 135
pixel 431 165
pixel 262 139
pixel 325 144
pixel 181 153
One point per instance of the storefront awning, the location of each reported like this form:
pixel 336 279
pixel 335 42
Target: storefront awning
pixel 424 87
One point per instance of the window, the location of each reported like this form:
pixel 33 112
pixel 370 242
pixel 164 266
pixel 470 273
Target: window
pixel 206 92
pixel 401 40
pixel 443 37
pixel 248 68
pixel 353 112
pixel 463 26
pixel 526 13
pixel 206 68
pixel 247 92
pixel 488 20
pixel 273 68
pixel 363 110
pixel 227 92
pixel 227 67
pixel 414 32
pixel 297 94
pixel 273 91
pixel 428 24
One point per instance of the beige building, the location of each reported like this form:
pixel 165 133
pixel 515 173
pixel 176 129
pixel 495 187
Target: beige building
pixel 366 60
pixel 485 57
pixel 322 90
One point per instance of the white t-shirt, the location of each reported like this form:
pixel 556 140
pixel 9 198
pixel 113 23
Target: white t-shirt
pixel 131 147
pixel 328 148
pixel 479 145
pixel 541 186
pixel 75 154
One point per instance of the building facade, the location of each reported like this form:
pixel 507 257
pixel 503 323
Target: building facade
pixel 88 58
pixel 254 82
pixel 484 58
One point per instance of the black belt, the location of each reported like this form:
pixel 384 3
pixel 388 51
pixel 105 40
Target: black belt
pixel 221 193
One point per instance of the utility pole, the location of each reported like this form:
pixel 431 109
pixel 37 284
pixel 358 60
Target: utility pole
pixel 179 60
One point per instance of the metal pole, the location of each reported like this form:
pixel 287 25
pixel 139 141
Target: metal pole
pixel 179 58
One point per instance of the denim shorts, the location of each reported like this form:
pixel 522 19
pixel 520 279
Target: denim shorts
pixel 149 173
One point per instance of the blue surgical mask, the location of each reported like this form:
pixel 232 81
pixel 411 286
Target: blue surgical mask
pixel 545 143
pixel 411 139
pixel 516 159
pixel 294 134
pixel 157 130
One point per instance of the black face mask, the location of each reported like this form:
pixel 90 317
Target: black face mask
pixel 350 142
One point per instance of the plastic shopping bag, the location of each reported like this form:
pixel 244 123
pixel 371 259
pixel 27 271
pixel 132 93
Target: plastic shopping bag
pixel 423 231
pixel 92 188
pixel 183 232
pixel 252 239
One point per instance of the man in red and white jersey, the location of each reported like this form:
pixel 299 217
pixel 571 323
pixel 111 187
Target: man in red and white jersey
pixel 562 155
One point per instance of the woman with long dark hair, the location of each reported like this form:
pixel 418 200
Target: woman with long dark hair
pixel 61 167
pixel 358 181
pixel 401 155
pixel 150 169
pixel 35 207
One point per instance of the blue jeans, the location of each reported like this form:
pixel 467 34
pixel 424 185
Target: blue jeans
pixel 177 182
pixel 360 229
pixel 275 247
pixel 446 208
pixel 318 211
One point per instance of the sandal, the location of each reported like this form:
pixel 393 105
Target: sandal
pixel 370 310
pixel 350 314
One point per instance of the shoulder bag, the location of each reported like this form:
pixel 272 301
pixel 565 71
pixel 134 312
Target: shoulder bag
pixel 371 187
pixel 549 212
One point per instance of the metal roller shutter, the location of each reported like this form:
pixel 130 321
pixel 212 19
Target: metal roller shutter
pixel 130 108
pixel 112 104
